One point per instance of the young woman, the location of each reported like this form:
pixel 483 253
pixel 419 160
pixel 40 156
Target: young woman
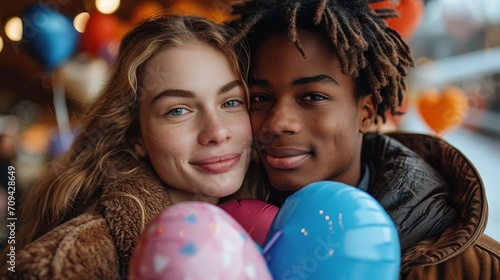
pixel 321 71
pixel 171 125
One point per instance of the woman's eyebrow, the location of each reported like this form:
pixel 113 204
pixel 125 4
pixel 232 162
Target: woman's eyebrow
pixel 173 93
pixel 189 94
pixel 229 86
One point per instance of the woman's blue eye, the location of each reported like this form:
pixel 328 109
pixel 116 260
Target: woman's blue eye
pixel 177 112
pixel 232 103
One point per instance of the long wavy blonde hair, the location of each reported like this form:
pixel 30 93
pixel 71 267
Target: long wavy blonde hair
pixel 74 182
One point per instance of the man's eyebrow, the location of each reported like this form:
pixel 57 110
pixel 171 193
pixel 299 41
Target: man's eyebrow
pixel 296 82
pixel 258 82
pixel 314 79
pixel 173 93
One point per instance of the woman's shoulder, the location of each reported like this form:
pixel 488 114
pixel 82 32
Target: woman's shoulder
pixel 81 248
pixel 139 193
pixel 129 203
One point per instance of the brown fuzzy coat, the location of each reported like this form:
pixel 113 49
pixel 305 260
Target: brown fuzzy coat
pixel 97 244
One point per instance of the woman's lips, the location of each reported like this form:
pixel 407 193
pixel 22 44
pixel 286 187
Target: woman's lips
pixel 218 164
pixel 285 158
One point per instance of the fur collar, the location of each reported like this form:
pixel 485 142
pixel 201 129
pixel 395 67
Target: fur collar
pixel 129 204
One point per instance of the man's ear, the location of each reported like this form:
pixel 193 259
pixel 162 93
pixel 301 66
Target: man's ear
pixel 139 147
pixel 367 113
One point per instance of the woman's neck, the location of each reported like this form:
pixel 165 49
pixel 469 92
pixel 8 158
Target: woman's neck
pixel 179 195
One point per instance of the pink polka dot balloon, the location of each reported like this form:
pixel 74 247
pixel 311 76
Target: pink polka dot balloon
pixel 196 240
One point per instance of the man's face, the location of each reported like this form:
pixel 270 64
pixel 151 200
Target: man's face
pixel 306 122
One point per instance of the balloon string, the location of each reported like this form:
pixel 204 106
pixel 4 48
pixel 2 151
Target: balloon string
pixel 61 109
pixel 272 241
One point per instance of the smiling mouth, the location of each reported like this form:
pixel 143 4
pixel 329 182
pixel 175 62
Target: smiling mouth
pixel 219 164
pixel 284 158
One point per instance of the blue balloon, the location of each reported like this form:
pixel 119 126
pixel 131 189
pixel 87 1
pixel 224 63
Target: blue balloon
pixel 49 36
pixel 330 230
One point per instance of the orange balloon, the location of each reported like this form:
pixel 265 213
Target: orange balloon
pixel 144 10
pixel 188 7
pixel 216 12
pixel 442 110
pixel 410 14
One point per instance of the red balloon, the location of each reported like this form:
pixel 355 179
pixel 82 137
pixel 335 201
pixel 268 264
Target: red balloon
pixel 410 14
pixel 100 30
pixel 254 216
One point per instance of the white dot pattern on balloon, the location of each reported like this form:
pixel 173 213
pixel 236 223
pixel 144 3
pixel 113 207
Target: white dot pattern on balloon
pixel 159 263
pixel 227 252
pixel 341 222
pixel 250 270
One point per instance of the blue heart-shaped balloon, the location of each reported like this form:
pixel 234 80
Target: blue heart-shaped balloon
pixel 330 230
pixel 48 35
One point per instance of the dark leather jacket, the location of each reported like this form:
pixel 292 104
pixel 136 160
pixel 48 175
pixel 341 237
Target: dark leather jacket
pixel 438 201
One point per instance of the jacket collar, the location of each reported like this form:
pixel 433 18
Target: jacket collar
pixel 466 195
pixel 131 203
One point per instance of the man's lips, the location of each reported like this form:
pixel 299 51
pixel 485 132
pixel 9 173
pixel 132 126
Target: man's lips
pixel 218 164
pixel 285 158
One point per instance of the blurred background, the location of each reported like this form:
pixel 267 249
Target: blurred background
pixel 55 56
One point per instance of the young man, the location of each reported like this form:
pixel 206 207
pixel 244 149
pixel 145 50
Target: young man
pixel 321 72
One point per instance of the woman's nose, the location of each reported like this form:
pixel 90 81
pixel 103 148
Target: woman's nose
pixel 214 130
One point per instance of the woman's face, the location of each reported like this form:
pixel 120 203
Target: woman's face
pixel 307 124
pixel 195 126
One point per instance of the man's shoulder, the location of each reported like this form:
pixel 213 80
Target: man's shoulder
pixel 479 260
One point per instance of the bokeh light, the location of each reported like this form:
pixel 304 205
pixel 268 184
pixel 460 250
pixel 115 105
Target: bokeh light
pixel 80 21
pixel 107 6
pixel 14 29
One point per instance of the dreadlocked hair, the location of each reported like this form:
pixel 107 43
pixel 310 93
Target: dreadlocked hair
pixel 371 52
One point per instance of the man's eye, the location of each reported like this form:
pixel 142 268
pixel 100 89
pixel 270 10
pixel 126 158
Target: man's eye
pixel 259 98
pixel 314 97
pixel 177 112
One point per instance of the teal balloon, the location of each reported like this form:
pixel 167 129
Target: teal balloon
pixel 330 230
pixel 48 35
